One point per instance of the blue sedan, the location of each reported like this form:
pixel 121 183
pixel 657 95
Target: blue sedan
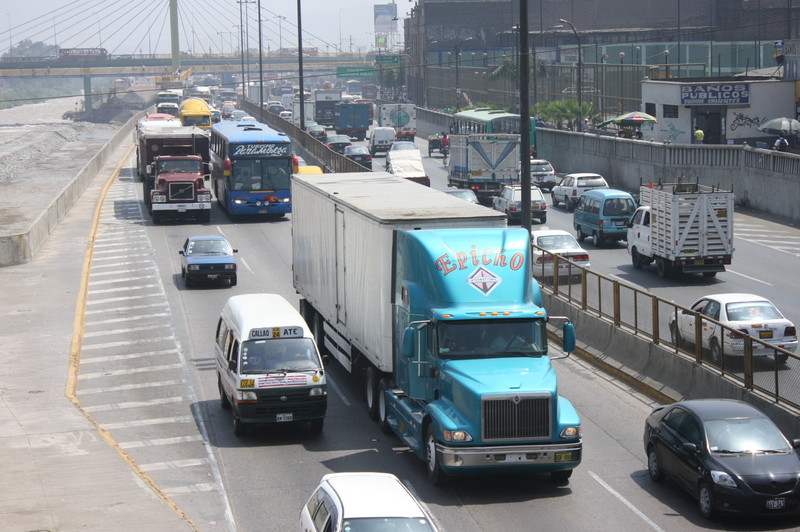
pixel 207 258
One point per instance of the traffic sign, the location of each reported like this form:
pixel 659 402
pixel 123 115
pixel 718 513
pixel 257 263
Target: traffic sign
pixel 355 72
pixel 387 59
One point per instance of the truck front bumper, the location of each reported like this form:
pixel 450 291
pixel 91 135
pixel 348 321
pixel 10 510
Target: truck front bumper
pixel 544 457
pixel 181 207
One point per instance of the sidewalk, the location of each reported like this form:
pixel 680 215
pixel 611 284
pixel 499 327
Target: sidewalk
pixel 58 472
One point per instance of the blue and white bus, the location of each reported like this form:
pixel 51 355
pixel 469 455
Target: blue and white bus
pixel 251 168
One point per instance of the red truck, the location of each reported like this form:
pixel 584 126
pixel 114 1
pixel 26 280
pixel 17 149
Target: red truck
pixel 179 188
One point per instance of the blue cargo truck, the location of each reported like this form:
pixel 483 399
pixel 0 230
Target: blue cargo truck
pixel 352 119
pixel 431 300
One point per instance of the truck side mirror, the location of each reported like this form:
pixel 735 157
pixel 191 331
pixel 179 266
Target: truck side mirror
pixel 568 331
pixel 149 169
pixel 180 252
pixel 408 342
pixel 206 177
pixel 232 365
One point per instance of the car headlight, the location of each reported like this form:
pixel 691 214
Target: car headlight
pixel 193 267
pixel 571 432
pixel 723 479
pixel 243 395
pixel 317 391
pixel 456 435
pixel 230 266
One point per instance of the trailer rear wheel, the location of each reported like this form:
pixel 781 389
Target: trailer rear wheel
pixel 371 391
pixel 636 259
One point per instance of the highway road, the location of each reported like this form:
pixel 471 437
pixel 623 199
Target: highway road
pixel 147 374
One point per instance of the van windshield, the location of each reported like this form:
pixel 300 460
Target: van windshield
pixel 279 355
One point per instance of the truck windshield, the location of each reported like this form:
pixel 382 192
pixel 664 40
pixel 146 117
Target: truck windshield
pixel 175 166
pixel 279 355
pixel 487 338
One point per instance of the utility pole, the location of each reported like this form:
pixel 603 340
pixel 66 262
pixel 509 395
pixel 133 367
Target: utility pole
pixel 174 36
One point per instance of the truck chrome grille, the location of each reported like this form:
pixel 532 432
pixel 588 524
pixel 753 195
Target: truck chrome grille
pixel 516 416
pixel 181 191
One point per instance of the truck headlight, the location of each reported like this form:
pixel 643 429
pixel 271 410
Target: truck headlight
pixel 317 391
pixel 571 432
pixel 159 198
pixel 204 198
pixel 456 435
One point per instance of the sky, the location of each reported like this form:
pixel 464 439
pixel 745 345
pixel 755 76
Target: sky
pixel 142 26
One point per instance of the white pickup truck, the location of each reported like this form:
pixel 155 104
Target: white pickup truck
pixel 682 226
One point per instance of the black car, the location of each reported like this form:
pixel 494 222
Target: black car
pixel 317 131
pixel 338 142
pixel 727 454
pixel 359 154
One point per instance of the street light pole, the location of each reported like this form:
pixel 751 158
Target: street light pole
pixel 622 81
pixel 580 73
pixel 457 52
pixel 280 33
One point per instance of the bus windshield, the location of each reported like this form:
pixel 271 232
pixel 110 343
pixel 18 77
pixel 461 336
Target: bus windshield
pixel 491 338
pixel 261 174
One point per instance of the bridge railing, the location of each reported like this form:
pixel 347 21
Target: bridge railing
pixel 638 312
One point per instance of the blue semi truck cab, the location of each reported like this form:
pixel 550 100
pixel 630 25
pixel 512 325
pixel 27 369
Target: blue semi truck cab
pixel 432 300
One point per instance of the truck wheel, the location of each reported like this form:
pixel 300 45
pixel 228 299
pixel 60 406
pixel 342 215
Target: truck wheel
pixel 319 333
pixel 371 392
pixel 383 385
pixel 223 398
pixel 561 478
pixel 664 267
pixel 636 260
pixel 435 473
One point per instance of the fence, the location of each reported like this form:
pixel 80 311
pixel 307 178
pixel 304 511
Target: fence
pixel 758 366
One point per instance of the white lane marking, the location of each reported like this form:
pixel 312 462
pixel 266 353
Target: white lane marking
pixel 174 464
pixel 115 358
pixel 160 441
pixel 626 502
pixel 134 404
pixel 244 262
pixel 117 273
pixel 117 332
pixel 132 278
pixel 123 387
pixel 118 344
pixel 338 392
pixel 194 488
pixel 128 320
pixel 125 308
pixel 125 289
pixel 128 371
pixel 748 277
pixel 115 265
pixel 120 299
pixel 148 422
pixel 117 258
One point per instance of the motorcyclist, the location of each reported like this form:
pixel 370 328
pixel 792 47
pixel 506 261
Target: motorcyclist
pixel 445 142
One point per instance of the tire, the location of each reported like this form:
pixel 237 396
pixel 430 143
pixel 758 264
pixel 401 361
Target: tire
pixel 781 359
pixel 553 197
pixel 596 239
pixel 319 333
pixel 716 351
pixel 675 335
pixel 233 280
pixel 383 385
pixel 636 260
pixel 664 268
pixel 581 236
pixel 371 392
pixel 188 281
pixel 706 501
pixel 435 473
pixel 561 478
pixel 224 402
pixel 653 467
pixel 316 425
pixel 239 428
pixel 569 205
pixel 543 220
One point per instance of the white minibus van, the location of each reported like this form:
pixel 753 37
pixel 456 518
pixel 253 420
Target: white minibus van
pixel 268 366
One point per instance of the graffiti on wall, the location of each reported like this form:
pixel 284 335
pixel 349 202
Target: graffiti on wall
pixel 671 133
pixel 742 120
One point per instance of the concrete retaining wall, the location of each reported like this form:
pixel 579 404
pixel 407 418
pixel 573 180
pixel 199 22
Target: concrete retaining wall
pixel 23 247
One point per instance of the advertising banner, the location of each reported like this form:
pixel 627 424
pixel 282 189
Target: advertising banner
pixel 385 18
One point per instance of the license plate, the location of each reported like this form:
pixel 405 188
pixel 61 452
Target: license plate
pixel 776 504
pixel 699 262
pixel 620 222
pixel 565 456
pixel 181 208
pixel 283 417
pixel 765 334
pixel 213 275
pixel 534 207
pixel 262 211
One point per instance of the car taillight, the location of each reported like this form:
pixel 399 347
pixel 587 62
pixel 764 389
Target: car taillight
pixel 579 257
pixel 790 331
pixel 369 157
pixel 600 224
pixel 543 259
pixel 738 335
pixel 330 146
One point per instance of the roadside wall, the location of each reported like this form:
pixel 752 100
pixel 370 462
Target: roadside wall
pixel 22 247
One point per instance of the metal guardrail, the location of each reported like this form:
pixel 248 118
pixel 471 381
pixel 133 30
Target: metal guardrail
pixel 638 312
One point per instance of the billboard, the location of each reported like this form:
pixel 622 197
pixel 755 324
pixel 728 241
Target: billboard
pixel 386 18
